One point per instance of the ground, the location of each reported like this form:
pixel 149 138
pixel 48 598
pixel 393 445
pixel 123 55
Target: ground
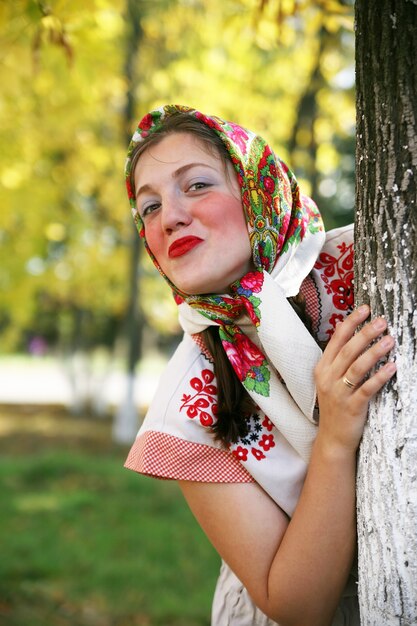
pixel 86 542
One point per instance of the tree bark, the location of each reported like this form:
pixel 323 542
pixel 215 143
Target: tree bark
pixel 386 265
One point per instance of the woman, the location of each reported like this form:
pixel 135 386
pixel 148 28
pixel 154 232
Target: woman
pixel 236 418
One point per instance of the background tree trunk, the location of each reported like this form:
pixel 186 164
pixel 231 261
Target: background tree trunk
pixel 386 258
pixel 125 423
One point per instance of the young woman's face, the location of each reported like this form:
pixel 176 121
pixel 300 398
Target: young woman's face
pixel 192 212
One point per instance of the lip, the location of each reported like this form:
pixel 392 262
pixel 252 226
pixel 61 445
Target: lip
pixel 182 246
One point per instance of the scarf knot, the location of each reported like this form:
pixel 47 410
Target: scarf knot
pixel 245 291
pixel 224 309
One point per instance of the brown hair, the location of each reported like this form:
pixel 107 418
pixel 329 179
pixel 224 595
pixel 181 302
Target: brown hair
pixel 234 404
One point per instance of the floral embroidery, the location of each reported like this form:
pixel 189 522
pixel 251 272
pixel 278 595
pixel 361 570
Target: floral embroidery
pixel 337 276
pixel 240 453
pixel 334 321
pixel 204 398
pixel 267 442
pixel 255 439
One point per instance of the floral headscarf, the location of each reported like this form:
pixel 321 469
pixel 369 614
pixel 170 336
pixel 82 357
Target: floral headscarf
pixel 286 234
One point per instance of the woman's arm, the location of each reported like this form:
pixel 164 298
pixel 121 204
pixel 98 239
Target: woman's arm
pixel 295 570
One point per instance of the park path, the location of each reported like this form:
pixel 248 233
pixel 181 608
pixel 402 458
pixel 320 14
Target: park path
pixel 53 381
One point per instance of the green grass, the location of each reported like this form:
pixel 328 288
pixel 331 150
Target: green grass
pixel 86 542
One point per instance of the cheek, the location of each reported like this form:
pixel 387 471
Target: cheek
pixel 234 222
pixel 153 238
pixel 235 237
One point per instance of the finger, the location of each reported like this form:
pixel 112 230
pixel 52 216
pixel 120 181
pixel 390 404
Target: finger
pixel 367 360
pixel 345 331
pixel 375 382
pixel 357 345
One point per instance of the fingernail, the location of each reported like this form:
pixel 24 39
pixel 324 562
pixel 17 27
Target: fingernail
pixel 390 367
pixel 379 323
pixel 364 308
pixel 386 342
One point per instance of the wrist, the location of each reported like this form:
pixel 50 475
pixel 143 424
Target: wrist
pixel 331 450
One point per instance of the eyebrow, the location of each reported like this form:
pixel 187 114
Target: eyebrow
pixel 176 174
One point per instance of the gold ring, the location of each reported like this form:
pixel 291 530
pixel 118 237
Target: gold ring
pixel 348 383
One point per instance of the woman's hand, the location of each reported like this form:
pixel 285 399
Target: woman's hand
pixel 344 383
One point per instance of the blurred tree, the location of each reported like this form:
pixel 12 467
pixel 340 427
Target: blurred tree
pixel 386 257
pixel 125 422
pixel 321 142
pixel 60 149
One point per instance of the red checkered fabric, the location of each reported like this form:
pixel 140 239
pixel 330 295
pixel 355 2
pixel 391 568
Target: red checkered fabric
pixel 313 305
pixel 165 456
pixel 203 348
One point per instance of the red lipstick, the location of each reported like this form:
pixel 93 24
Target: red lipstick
pixel 182 246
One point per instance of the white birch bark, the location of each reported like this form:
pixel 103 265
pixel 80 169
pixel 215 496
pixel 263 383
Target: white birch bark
pixel 386 258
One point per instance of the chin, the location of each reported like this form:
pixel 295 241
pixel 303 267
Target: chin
pixel 197 288
pixel 191 288
pixel 190 291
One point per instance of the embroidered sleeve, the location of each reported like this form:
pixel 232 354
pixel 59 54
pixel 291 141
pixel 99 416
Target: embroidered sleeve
pixel 175 440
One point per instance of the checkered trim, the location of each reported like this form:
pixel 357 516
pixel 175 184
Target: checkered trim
pixel 165 456
pixel 313 305
pixel 197 337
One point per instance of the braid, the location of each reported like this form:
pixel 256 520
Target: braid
pixel 234 404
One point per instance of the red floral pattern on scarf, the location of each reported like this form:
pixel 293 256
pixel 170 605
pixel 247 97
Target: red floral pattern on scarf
pixel 248 362
pixel 245 289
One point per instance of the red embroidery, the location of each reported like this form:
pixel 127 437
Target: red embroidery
pixel 240 453
pixel 337 277
pixel 256 438
pixel 204 398
pixel 258 454
pixel 267 423
pixel 334 321
pixel 267 442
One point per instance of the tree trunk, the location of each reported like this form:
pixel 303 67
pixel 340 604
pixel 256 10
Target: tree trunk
pixel 386 264
pixel 126 420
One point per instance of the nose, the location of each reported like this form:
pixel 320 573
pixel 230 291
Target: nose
pixel 174 214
